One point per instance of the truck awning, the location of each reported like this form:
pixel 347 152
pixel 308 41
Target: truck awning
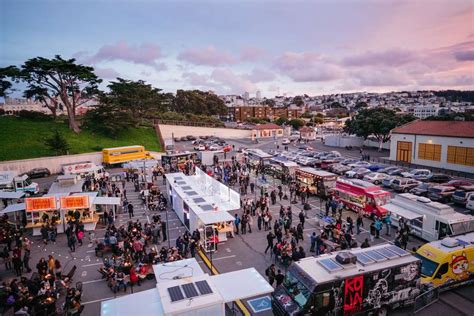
pixel 241 284
pixel 11 195
pixel 212 217
pixel 407 214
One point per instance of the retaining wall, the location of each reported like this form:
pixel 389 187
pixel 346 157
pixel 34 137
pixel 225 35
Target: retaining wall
pixel 168 131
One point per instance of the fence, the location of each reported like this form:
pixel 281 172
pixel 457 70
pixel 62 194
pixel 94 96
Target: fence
pixel 186 123
pixel 426 299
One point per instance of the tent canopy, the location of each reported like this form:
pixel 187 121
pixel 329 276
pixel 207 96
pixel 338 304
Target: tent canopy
pixel 241 284
pixel 13 208
pixel 11 195
pixel 105 200
pixel 141 303
pixel 185 268
pixel 407 214
pixel 213 217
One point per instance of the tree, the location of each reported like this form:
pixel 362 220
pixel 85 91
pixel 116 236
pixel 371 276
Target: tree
pixel 298 100
pixel 137 98
pixel 281 120
pixel 359 105
pixel 269 102
pixel 297 123
pixel 57 143
pixel 6 75
pixel 377 122
pixel 58 79
pixel 198 102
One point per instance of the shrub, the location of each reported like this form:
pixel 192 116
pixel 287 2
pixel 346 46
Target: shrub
pixel 34 116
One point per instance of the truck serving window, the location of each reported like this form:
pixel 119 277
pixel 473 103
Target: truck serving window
pixel 428 267
pixel 381 199
pixel 296 289
pixel 462 228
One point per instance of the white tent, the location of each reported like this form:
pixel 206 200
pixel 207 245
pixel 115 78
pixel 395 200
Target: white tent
pixel 11 195
pixel 13 208
pixel 185 268
pixel 141 303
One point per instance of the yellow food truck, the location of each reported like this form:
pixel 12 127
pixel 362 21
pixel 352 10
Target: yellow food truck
pixel 117 155
pixel 448 262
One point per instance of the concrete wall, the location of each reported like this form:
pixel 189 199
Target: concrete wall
pixel 438 140
pixel 343 141
pixel 54 163
pixel 167 131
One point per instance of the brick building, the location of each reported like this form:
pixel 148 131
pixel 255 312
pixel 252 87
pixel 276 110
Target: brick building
pixel 242 113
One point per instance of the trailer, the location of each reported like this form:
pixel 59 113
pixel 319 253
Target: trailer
pixel 362 281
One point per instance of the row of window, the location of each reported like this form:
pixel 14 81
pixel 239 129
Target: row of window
pixel 456 154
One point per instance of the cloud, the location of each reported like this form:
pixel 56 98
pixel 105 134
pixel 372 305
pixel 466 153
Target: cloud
pixel 259 75
pixel 208 56
pixel 464 55
pixel 381 77
pixel 231 81
pixel 251 53
pixel 143 54
pixel 308 67
pixel 393 57
pixel 106 73
pixel 196 79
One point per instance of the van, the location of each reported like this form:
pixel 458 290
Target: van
pixel 470 201
pixel 447 263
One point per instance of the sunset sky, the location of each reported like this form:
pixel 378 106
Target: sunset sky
pixel 293 47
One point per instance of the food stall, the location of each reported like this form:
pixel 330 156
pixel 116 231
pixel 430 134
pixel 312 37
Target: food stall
pixel 81 207
pixel 318 182
pixel 41 211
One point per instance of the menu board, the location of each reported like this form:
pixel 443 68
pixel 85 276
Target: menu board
pixel 74 202
pixel 40 203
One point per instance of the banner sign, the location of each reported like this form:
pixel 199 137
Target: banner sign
pixel 40 203
pixel 74 202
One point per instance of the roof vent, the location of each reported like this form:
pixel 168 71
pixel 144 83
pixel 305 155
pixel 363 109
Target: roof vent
pixel 449 242
pixel 423 199
pixel 346 257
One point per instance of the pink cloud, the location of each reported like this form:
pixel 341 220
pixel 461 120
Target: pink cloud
pixel 232 82
pixel 259 75
pixel 393 57
pixel 144 54
pixel 308 67
pixel 251 53
pixel 209 56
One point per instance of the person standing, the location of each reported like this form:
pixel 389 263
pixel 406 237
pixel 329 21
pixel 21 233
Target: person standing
pixel 359 223
pixel 130 210
pixel 302 218
pixel 388 223
pixel 237 223
pixel 72 242
pixel 26 260
pixel 313 242
pixel 270 272
pixel 163 231
pixel 252 187
pixel 279 278
pixel 378 227
pixel 270 239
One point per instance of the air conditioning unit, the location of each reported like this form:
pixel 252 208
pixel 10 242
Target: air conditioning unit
pixel 346 257
pixel 449 242
pixel 423 199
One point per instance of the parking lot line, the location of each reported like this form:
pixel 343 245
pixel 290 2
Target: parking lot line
pixel 92 264
pixel 99 300
pixel 93 281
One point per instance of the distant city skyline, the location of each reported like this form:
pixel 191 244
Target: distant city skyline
pixel 230 47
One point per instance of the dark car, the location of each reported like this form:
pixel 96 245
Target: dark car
pixel 376 168
pixel 396 172
pixel 191 137
pixel 438 178
pixel 38 173
pixel 460 195
pixel 421 189
pixel 388 169
pixel 441 193
pixel 458 183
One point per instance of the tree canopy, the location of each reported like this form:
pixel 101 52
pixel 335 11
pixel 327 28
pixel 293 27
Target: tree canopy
pixel 281 120
pixel 57 143
pixel 297 123
pixel 377 122
pixel 198 102
pixel 7 74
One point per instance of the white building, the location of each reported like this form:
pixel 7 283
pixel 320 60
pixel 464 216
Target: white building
pixel 423 112
pixel 439 144
pixel 258 95
pixel 246 96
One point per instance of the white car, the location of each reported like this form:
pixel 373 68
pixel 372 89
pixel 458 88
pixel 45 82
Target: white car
pixel 375 177
pixel 353 172
pixel 360 164
pixel 286 141
pixel 215 147
pixel 417 173
pixel 200 147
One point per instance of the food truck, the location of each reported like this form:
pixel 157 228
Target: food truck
pixel 9 181
pixel 279 167
pixel 361 196
pixel 83 169
pixel 318 182
pixel 118 155
pixel 448 263
pixel 257 157
pixel 428 220
pixel 177 161
pixel 362 281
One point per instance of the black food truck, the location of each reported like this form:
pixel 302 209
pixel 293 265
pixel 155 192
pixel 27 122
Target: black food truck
pixel 359 282
pixel 318 182
pixel 177 162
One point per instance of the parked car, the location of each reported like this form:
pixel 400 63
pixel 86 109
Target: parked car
pixel 458 183
pixel 360 164
pixel 404 185
pixel 339 169
pixel 354 173
pixel 396 172
pixel 422 189
pixel 375 177
pixel 305 147
pixel 227 148
pixel 387 182
pixel 419 174
pixel 441 193
pixel 336 153
pixel 438 178
pixel 461 194
pixel 177 139
pixel 286 141
pixel 375 168
pixel 183 139
pixel 215 147
pixel 360 174
pixel 190 137
pixel 199 147
pixel 388 169
pixel 470 202
pixel 349 161
pixel 38 173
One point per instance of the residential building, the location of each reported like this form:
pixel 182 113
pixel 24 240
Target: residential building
pixel 242 113
pixel 439 144
pixel 258 95
pixel 267 131
pixel 307 133
pixel 423 112
pixel 246 96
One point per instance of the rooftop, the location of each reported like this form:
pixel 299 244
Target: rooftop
pixel 268 126
pixel 438 128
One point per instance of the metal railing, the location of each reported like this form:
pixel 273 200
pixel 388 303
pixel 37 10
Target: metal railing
pixel 426 299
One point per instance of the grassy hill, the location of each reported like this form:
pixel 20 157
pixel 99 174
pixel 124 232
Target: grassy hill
pixel 23 138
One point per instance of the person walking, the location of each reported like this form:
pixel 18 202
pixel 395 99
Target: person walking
pixel 313 242
pixel 270 239
pixel 279 278
pixel 72 242
pixel 26 260
pixel 378 227
pixel 359 223
pixel 388 223
pixel 350 225
pixel 252 187
pixel 130 210
pixel 163 231
pixel 302 218
pixel 270 272
pixel 237 223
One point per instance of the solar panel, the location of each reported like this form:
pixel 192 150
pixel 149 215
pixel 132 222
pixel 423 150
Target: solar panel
pixel 203 287
pixel 175 293
pixel 190 192
pixel 387 253
pixel 399 251
pixel 190 290
pixel 187 187
pixel 199 200
pixel 206 207
pixel 330 265
pixel 178 178
pixel 364 260
pixel 180 182
pixel 372 254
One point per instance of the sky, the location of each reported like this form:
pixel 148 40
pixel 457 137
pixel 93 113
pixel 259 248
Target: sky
pixel 277 47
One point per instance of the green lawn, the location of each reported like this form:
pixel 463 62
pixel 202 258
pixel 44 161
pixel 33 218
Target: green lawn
pixel 23 138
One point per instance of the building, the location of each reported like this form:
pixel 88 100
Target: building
pixel 242 113
pixel 258 95
pixel 307 133
pixel 439 144
pixel 246 96
pixel 423 112
pixel 267 131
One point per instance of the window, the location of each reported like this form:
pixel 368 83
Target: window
pixel 429 152
pixel 428 267
pixel 461 155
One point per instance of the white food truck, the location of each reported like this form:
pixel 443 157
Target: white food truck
pixel 428 220
pixel 82 169
pixel 9 181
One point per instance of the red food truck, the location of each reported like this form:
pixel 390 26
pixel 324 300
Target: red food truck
pixel 361 196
